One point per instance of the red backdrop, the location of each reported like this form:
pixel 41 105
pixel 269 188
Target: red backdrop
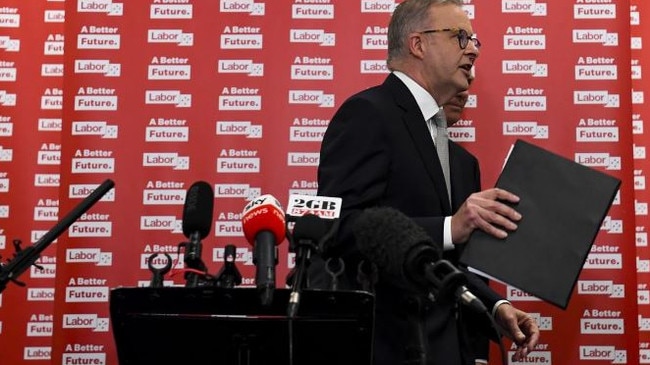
pixel 157 95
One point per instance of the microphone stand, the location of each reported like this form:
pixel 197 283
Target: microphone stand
pixel 229 276
pixel 193 261
pixel 24 258
pixel 319 232
pixel 158 273
pixel 295 279
pixel 447 279
pixel 303 259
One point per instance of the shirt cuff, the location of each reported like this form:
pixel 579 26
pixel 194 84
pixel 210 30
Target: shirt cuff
pixel 497 304
pixel 447 244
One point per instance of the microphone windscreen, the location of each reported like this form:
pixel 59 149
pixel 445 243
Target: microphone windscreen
pixel 310 227
pixel 197 210
pixel 264 214
pixel 393 241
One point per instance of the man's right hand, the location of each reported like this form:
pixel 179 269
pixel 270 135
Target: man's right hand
pixel 486 211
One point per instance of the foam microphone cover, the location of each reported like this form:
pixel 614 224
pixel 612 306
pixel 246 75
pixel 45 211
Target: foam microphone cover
pixel 197 210
pixel 395 243
pixel 309 228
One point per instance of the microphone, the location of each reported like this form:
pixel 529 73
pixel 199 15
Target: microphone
pixel 315 224
pixel 308 231
pixel 264 227
pixel 197 221
pixel 406 254
pixel 324 208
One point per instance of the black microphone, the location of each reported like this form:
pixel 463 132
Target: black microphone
pixel 308 232
pixel 197 221
pixel 405 253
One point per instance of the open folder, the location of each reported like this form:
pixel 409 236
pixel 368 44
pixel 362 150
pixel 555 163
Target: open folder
pixel 563 205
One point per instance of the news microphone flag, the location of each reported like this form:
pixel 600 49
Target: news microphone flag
pixel 322 206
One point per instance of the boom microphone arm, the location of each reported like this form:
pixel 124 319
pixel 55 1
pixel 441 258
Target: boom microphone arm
pixel 24 258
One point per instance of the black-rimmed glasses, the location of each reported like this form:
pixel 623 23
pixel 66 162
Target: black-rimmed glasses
pixel 461 34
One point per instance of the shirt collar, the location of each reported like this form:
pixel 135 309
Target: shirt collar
pixel 425 101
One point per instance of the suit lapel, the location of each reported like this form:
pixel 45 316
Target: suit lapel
pixel 414 122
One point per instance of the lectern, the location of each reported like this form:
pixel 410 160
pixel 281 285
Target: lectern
pixel 229 326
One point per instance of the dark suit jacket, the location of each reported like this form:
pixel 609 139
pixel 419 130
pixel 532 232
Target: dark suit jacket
pixel 377 151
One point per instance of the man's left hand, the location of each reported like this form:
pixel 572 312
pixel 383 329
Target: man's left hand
pixel 520 327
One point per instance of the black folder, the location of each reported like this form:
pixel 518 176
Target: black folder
pixel 563 205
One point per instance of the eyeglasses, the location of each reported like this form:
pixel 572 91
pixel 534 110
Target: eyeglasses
pixel 463 36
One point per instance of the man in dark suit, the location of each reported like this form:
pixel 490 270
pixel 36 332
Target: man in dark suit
pixel 379 151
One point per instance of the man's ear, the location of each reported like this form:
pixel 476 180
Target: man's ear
pixel 415 44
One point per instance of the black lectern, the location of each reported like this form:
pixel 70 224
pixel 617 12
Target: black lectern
pixel 229 326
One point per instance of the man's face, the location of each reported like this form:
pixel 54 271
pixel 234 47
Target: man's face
pixel 446 66
pixel 454 107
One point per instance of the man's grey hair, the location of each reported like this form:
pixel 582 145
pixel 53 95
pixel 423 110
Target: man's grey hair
pixel 409 16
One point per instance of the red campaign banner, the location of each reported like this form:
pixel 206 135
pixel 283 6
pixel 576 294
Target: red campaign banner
pixel 640 27
pixel 238 93
pixel 31 80
pixel 565 89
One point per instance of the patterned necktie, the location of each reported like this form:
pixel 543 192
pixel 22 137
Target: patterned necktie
pixel 442 146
